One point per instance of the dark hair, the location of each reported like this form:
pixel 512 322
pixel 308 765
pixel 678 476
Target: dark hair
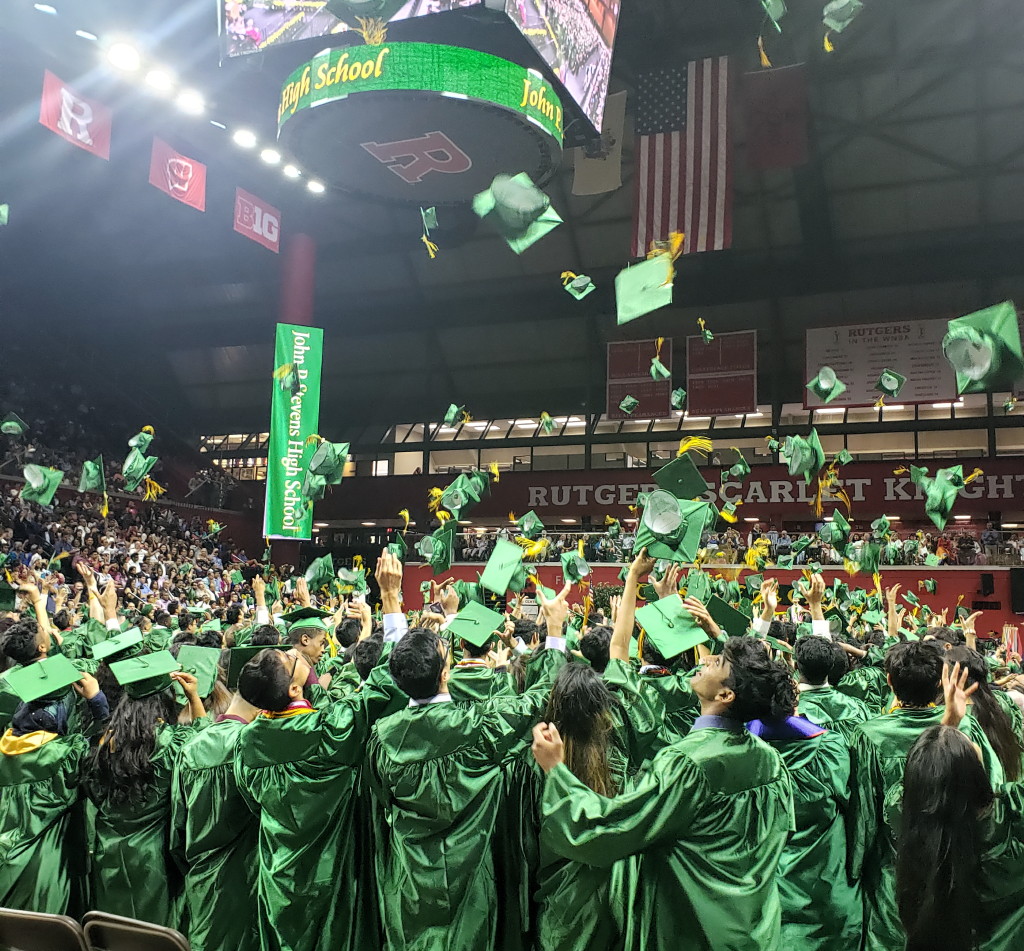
pixel 651 655
pixel 840 665
pixel 120 769
pixel 580 706
pixel 915 671
pixel 946 635
pixel 945 790
pixel 62 619
pixel 366 653
pixel 595 644
pixel 20 642
pixel 209 639
pixel 474 651
pixel 814 658
pixel 265 635
pixel 264 681
pixel 184 637
pixel 524 629
pixel 782 631
pixel 348 631
pixel 161 619
pixel 232 614
pixel 987 710
pixel 517 670
pixel 416 663
pixel 294 635
pixel 764 688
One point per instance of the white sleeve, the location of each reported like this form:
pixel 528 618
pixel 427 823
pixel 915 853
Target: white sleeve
pixel 821 629
pixel 395 626
pixel 761 626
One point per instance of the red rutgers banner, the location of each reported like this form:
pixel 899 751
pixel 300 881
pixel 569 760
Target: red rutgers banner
pixel 83 122
pixel 258 220
pixel 178 175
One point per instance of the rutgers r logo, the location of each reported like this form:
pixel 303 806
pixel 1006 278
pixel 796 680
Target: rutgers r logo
pixel 433 152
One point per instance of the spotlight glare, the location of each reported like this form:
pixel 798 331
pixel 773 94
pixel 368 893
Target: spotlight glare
pixel 291 171
pixel 191 102
pixel 317 188
pixel 45 8
pixel 219 125
pixel 245 138
pixel 270 156
pixel 159 80
pixel 86 35
pixel 124 56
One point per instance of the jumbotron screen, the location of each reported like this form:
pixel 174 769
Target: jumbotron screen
pixel 248 26
pixel 575 38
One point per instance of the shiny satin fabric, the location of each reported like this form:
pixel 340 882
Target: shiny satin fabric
pixel 867 684
pixel 681 706
pixel 438 771
pixel 300 775
pixel 133 873
pixel 709 822
pixel 833 710
pixel 41 860
pixel 213 838
pixel 821 906
pixel 475 683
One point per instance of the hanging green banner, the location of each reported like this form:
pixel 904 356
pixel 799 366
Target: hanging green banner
pixel 294 417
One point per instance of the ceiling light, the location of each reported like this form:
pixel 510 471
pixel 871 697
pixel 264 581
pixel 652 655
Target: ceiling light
pixel 123 56
pixel 190 101
pixel 291 171
pixel 751 520
pixel 463 522
pixel 270 156
pixel 317 188
pixel 159 80
pixel 368 524
pixel 321 524
pixel 831 410
pixel 892 518
pixel 45 8
pixel 569 521
pixel 86 35
pixel 897 408
pixel 219 125
pixel 962 518
pixel 246 138
pixel 478 426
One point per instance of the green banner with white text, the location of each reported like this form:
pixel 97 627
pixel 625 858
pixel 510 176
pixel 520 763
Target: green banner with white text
pixel 294 416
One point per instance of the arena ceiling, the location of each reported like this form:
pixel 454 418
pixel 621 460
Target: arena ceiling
pixel 912 205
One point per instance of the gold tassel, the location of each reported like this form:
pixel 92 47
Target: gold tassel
pixel 974 475
pixel 494 471
pixel 357 562
pixel 434 499
pixel 880 402
pixel 765 62
pixel 640 645
pixel 105 508
pixel 404 516
pixel 827 44
pixel 466 418
pixel 673 248
pixel 877 580
pixel 657 346
pixel 696 443
pixel 567 277
pixel 609 520
pixel 153 490
pixel 730 517
pixel 430 246
pixel 148 429
pixel 373 30
pixel 443 516
pixel 532 548
pixel 902 470
pixel 851 567
pixel 512 517
pixel 314 439
pixel 579 548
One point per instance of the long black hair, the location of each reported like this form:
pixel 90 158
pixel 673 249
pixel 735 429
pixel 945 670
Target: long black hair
pixel 945 792
pixel 120 769
pixel 581 705
pixel 992 718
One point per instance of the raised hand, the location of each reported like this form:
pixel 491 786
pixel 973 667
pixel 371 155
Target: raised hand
pixel 548 749
pixel 699 612
pixel 669 583
pixel 955 693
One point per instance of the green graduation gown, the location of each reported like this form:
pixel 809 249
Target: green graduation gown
pixel 672 689
pixel 821 907
pixel 709 821
pixel 299 773
pixel 830 708
pixel 41 855
pixel 879 754
pixel 213 836
pixel 869 685
pixel 474 682
pixel 133 873
pixel 438 770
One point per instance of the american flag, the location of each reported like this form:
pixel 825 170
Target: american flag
pixel 684 157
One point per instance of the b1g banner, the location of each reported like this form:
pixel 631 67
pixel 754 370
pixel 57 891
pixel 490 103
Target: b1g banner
pixel 294 417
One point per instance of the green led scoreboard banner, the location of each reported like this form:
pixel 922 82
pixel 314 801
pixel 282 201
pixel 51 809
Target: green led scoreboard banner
pixel 418 122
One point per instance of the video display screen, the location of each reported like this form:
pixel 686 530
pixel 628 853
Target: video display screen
pixel 575 38
pixel 248 26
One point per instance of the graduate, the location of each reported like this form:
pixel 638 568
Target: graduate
pixel 437 770
pixel 818 700
pixel 41 844
pixel 709 821
pixel 298 766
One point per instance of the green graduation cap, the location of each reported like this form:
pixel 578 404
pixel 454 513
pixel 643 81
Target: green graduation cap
pixel 136 467
pixel 429 218
pixel 698 585
pixel 839 14
pixel 399 548
pixel 476 624
pixel 93 478
pixel 467 489
pixel 873 617
pixel 142 440
pixel 320 572
pixel 40 483
pixel 574 568
pixel 890 383
pixel 502 566
pixel 984 348
pixel 643 287
pixel 740 467
pixel 468 591
pixel 775 10
pixel 658 370
pixel 579 285
pixel 202 663
pixel 212 625
pixel 238 657
pixel 777 644
pixel 753 583
pixel 302 618
pixel 784 561
pixel 453 414
pixel 145 674
pixel 804 455
pixel 328 461
pixel 629 404
pixel 837 531
pixel 837 621
pixel 881 527
pixel 843 458
pixel 940 491
pixel 13 425
pixel 682 478
pixel 932 560
pixel 911 599
pixel 678 398
pixel 5 214
pixel 726 589
pixel 800 544
pixel 733 623
pixel 8 596
pixel 530 525
pixel 614 529
pixel 929 585
pixel 671 528
pixel 826 385
pixel 519 211
pixel 670 626
pixel 870 557
pixel 48 677
pixel 437 548
pixel 352 581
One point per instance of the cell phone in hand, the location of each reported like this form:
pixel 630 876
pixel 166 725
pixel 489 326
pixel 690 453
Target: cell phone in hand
pixel 435 608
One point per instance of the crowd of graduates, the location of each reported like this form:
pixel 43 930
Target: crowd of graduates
pixel 308 774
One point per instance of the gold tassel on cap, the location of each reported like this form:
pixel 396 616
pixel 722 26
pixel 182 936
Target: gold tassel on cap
pixel 512 517
pixel 974 475
pixel 827 45
pixel 373 30
pixel 430 246
pixel 434 499
pixel 696 443
pixel 494 471
pixel 673 248
pixel 153 490
pixel 105 508
pixel 404 516
pixel 568 277
pixel 765 61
